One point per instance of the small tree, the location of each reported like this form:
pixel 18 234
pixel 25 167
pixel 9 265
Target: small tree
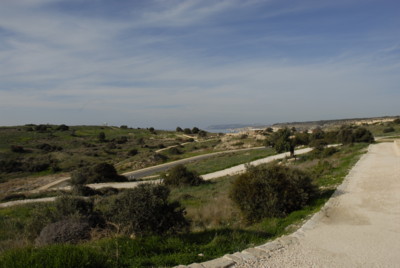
pixel 195 130
pixel 187 131
pixel 179 129
pixel 181 176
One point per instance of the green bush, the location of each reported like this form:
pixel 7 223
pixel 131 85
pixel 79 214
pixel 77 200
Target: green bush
pixel 174 150
pixel 69 230
pixel 388 130
pixel 72 205
pixel 271 191
pixel 181 176
pixel 102 172
pixel 145 210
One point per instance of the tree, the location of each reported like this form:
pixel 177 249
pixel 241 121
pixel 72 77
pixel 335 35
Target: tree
pixel 195 130
pixel 187 131
pixel 181 176
pixel 282 141
pixel 179 129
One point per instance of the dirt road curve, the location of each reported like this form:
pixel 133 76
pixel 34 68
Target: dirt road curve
pixel 361 225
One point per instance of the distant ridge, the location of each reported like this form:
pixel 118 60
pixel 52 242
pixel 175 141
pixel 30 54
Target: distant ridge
pixel 305 124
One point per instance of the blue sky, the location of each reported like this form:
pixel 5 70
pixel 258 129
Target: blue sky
pixel 197 62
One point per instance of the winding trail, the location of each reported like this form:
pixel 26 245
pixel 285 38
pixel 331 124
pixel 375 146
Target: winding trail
pixel 151 170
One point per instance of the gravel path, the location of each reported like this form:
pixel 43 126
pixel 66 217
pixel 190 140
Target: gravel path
pixel 359 226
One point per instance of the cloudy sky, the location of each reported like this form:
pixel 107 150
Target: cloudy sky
pixel 168 63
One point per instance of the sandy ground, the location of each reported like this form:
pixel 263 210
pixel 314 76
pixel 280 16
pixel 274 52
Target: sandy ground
pixel 361 225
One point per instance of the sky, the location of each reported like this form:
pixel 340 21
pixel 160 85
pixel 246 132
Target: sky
pixel 169 63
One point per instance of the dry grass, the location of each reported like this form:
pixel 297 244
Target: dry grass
pixel 219 211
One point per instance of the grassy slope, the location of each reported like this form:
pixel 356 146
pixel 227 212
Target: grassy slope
pixel 80 146
pixel 217 225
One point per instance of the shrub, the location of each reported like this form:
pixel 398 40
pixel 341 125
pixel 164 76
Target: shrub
pixel 17 149
pixel 49 148
pixel 102 172
pixel 70 230
pixel 396 121
pixel 187 131
pixel 62 127
pixel 195 130
pixel 145 210
pixel 174 150
pixel 388 130
pixel 72 205
pixel 202 133
pixel 181 176
pixel 271 191
pixel 82 190
pixel 123 127
pixel 10 165
pixel 179 129
pixel 101 137
pixel 348 134
pixel 122 140
pixel 132 152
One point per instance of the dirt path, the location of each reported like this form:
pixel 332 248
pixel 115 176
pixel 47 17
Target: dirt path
pixel 359 227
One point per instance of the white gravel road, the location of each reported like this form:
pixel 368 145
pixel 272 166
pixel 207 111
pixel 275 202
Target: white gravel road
pixel 360 226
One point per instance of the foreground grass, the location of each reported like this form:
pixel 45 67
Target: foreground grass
pixel 217 227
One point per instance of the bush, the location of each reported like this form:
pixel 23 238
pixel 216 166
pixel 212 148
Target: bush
pixel 388 130
pixel 271 191
pixel 195 130
pixel 49 148
pixel 72 205
pixel 145 210
pixel 17 149
pixel 133 152
pixel 174 150
pixel 396 121
pixel 62 127
pixel 348 134
pixel 82 190
pixel 181 176
pixel 101 137
pixel 102 172
pixel 70 230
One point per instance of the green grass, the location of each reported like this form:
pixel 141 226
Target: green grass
pixel 228 160
pixel 217 227
pixel 55 256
